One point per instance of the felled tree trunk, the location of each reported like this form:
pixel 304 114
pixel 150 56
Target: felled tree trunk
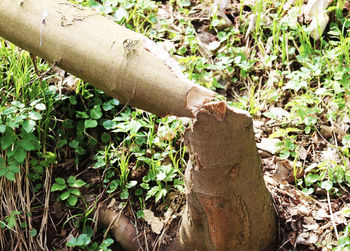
pixel 228 206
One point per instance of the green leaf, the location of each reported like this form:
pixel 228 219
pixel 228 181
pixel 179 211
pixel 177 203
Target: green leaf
pixel 72 242
pixel 7 139
pixel 73 100
pixel 124 194
pixel 140 214
pixel 307 191
pixel 134 126
pixel 346 141
pixel 145 186
pixel 29 126
pixel 311 178
pixel 75 191
pixel 38 169
pixel 90 123
pixel 60 181
pixel 107 106
pixel 27 145
pixel 13 168
pixel 10 110
pixel 68 123
pixel 105 137
pixel 17 104
pixel 327 185
pixel 2 128
pixel 61 143
pixel 82 115
pixel 71 180
pixel 34 115
pixel 3 171
pixel 57 187
pixel 65 195
pixel 106 243
pixel 40 107
pixel 83 240
pixel 161 194
pixel 131 184
pixel 33 232
pixel 114 102
pixel 95 112
pixel 113 186
pixel 10 176
pixel 78 183
pixel 109 124
pixel 74 143
pixel 153 191
pixel 284 154
pixel 20 155
pixel 138 191
pixel 72 200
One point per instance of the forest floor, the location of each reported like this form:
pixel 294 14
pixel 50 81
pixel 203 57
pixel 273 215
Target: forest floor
pixel 65 146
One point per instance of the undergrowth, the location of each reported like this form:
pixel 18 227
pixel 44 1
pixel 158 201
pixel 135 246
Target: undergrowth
pixel 66 146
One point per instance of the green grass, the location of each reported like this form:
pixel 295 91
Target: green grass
pixel 53 137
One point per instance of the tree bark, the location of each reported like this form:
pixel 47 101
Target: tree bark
pixel 227 203
pixel 228 206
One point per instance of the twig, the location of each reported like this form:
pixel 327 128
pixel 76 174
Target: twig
pixel 42 75
pixel 332 216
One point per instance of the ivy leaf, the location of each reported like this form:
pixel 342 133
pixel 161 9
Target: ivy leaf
pixel 109 124
pixel 95 112
pixel 107 106
pixel 125 194
pixel 72 242
pixel 105 137
pixel 327 185
pixel 83 240
pixel 311 178
pixel 90 123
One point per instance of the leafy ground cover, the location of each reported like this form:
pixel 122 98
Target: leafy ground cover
pixel 66 146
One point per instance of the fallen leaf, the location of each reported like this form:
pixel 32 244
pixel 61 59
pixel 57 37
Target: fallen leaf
pixel 155 222
pixel 269 145
pixel 302 153
pixel 281 173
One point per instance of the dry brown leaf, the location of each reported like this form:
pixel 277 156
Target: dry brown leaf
pixel 281 173
pixel 320 214
pixel 155 222
pixel 269 145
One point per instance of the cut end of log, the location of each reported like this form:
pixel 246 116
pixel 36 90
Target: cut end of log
pixel 196 97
